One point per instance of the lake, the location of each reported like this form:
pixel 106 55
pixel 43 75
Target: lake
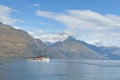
pixel 61 70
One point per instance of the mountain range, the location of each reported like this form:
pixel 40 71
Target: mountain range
pixel 18 43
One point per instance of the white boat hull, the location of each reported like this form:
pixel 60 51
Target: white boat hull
pixel 40 60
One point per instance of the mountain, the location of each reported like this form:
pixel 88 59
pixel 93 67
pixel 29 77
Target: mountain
pixel 18 43
pixel 48 43
pixel 74 49
pixel 110 52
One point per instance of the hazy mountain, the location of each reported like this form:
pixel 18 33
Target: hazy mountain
pixel 110 52
pixel 74 49
pixel 48 43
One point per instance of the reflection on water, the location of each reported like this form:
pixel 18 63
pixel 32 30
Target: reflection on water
pixel 61 70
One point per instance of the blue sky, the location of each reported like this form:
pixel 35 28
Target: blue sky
pixel 94 21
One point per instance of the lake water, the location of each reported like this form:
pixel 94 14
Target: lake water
pixel 61 70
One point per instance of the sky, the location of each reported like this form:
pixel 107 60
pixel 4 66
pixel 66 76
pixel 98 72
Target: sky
pixel 94 21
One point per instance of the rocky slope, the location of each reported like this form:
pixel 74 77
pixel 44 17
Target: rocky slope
pixel 18 43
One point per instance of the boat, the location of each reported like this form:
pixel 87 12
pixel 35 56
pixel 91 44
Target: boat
pixel 38 58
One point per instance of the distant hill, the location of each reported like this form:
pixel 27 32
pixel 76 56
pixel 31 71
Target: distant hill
pixel 48 43
pixel 110 52
pixel 74 49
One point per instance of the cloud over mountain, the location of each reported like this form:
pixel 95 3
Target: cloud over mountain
pixel 49 37
pixel 88 25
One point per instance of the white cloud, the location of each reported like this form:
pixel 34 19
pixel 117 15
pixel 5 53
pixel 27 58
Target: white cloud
pixel 49 37
pixel 36 5
pixel 88 25
pixel 45 14
pixel 84 19
pixel 113 17
pixel 95 42
pixel 16 27
pixel 5 15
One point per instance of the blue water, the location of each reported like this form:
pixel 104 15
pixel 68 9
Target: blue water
pixel 61 70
